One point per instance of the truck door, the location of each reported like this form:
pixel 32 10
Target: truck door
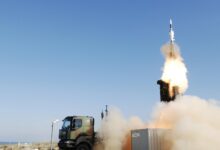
pixel 76 128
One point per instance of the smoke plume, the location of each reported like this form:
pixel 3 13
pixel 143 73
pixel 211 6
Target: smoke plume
pixel 115 131
pixel 193 123
pixel 174 70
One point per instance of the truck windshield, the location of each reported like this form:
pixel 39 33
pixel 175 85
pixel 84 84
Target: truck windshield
pixel 66 123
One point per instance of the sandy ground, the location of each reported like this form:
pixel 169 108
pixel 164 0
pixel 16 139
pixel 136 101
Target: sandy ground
pixel 33 146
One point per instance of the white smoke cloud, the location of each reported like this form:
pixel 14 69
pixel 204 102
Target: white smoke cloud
pixel 193 123
pixel 113 130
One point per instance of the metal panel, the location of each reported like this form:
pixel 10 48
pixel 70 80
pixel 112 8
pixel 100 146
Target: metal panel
pixel 154 139
pixel 147 139
pixel 139 139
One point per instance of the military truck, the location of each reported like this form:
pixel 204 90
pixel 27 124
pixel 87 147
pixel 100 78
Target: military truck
pixel 77 133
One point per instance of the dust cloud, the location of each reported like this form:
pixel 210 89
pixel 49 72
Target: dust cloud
pixel 194 124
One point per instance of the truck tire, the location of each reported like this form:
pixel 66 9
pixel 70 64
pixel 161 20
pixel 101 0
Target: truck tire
pixel 83 147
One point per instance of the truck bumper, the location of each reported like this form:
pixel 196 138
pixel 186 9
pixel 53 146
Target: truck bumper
pixel 66 144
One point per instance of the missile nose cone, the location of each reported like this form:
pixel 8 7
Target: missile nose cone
pixel 171 23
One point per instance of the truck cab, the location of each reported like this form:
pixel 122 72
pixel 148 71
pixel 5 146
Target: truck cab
pixel 77 132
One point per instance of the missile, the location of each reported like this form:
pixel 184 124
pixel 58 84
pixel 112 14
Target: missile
pixel 171 33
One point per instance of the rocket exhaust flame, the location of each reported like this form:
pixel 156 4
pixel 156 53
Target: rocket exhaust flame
pixel 174 70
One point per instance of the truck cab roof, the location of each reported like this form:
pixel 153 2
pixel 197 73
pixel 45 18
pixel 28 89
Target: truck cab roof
pixel 71 117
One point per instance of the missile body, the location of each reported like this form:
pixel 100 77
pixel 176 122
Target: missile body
pixel 172 39
pixel 171 33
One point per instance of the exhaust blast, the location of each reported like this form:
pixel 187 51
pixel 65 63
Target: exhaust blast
pixel 194 123
pixel 174 78
pixel 174 70
pixel 115 131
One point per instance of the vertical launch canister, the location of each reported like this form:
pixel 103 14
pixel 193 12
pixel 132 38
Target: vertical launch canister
pixel 165 94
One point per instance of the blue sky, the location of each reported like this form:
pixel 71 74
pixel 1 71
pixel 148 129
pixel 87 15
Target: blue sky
pixel 60 58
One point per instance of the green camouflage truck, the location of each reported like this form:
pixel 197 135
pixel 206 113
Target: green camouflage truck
pixel 77 133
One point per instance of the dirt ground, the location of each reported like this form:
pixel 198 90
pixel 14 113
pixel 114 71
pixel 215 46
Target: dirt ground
pixel 28 146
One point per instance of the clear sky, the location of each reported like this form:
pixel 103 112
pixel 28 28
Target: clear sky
pixel 72 57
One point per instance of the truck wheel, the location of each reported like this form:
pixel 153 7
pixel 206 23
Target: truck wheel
pixel 83 147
